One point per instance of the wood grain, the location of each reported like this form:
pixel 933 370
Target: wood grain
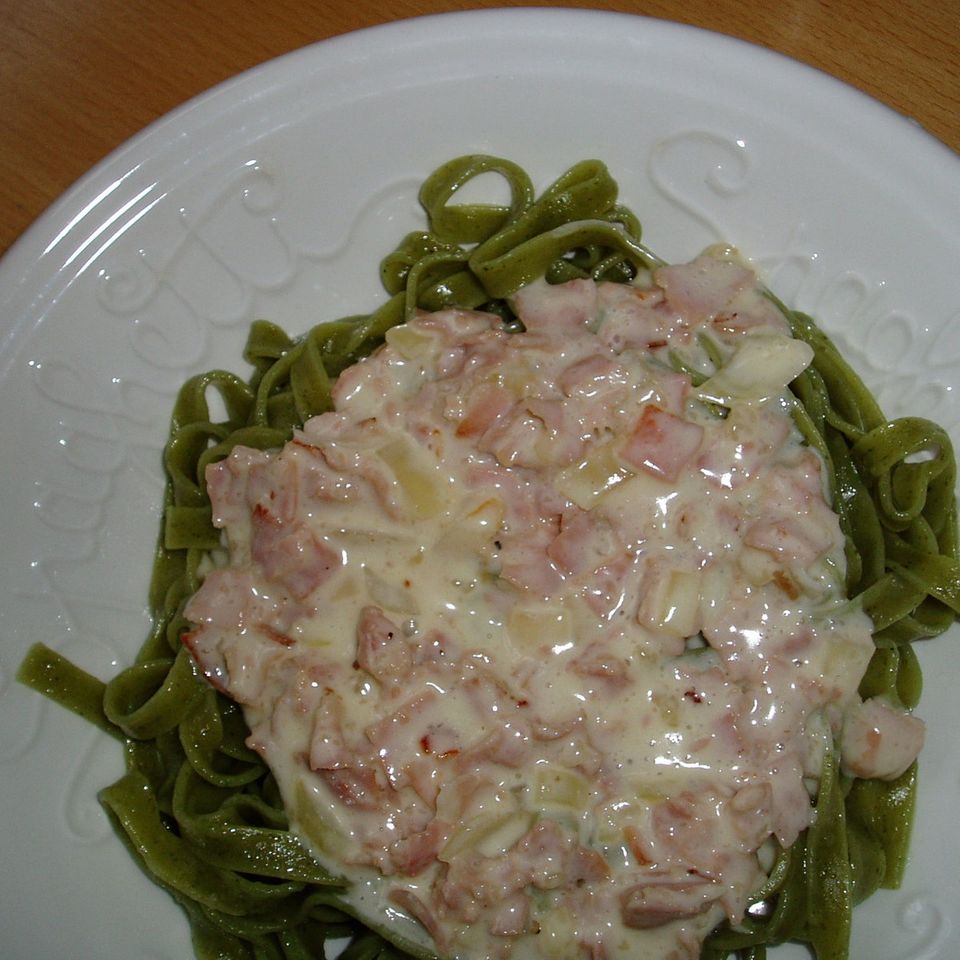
pixel 78 79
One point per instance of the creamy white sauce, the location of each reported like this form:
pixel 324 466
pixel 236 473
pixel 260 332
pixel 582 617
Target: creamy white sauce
pixel 540 640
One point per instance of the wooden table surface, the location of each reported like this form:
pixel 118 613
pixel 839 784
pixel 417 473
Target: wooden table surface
pixel 79 78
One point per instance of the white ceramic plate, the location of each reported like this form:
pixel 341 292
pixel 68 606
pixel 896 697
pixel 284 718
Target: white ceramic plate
pixel 275 195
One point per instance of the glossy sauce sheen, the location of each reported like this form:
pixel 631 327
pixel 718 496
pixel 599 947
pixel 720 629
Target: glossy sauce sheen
pixel 543 642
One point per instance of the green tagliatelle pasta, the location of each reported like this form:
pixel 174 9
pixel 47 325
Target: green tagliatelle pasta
pixel 201 813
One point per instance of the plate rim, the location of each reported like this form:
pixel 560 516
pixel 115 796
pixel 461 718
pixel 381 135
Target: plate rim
pixel 22 259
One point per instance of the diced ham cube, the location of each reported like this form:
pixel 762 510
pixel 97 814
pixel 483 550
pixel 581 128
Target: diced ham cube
pixel 291 555
pixel 661 443
pixel 381 648
pixel 701 289
pixel 512 917
pixel 412 854
pixel 227 483
pixel 584 543
pixel 788 540
pixel 645 906
pixel 357 787
pixel 550 309
pixel 880 740
pixel 590 375
pixel 485 407
pixel 635 318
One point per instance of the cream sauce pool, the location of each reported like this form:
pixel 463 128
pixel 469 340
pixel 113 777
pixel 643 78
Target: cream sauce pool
pixel 543 634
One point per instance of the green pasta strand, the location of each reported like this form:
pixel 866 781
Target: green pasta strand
pixel 51 674
pixel 883 813
pixel 199 810
pixel 240 832
pixel 152 697
pixel 459 224
pixel 175 863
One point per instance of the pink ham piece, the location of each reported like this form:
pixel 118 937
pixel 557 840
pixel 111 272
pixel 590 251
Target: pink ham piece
pixel 292 557
pixel 704 288
pixel 880 740
pixel 662 443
